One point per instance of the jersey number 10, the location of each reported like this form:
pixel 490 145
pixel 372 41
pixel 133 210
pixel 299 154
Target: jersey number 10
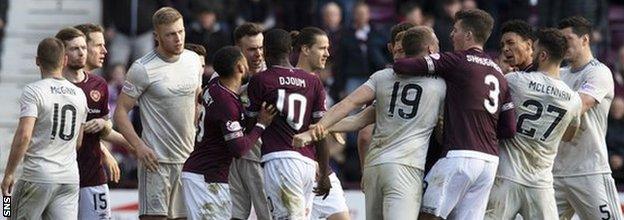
pixel 63 115
pixel 291 112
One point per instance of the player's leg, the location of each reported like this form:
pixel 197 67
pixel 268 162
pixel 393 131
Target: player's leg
pixel 504 201
pixel 205 200
pixel 153 203
pixel 63 203
pixel 94 203
pixel 29 199
pixel 594 197
pixel 538 203
pixel 285 182
pixel 447 182
pixel 474 201
pixel 402 191
pixel 241 203
pixel 564 208
pixel 177 209
pixel 254 188
pixel 373 196
pixel 334 207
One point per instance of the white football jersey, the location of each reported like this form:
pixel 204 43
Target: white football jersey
pixel 587 153
pixel 545 107
pixel 60 108
pixel 407 110
pixel 166 96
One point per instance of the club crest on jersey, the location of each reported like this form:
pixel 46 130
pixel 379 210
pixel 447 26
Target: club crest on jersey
pixel 233 126
pixel 95 95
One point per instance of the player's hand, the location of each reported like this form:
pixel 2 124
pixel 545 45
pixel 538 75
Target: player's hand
pixel 302 139
pixel 113 168
pixel 339 139
pixel 7 185
pixel 323 185
pixel 318 132
pixel 267 113
pixel 94 125
pixel 147 158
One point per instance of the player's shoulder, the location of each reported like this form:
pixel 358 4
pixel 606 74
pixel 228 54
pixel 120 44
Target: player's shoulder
pixel 386 72
pixel 596 66
pixel 147 59
pixel 97 79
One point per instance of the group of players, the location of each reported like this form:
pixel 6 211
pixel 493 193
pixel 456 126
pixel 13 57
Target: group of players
pixel 214 152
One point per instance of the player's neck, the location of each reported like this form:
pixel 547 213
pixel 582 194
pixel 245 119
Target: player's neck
pixel 550 69
pixel 283 62
pixel 55 74
pixel 89 68
pixel 164 55
pixel 473 46
pixel 232 83
pixel 74 76
pixel 584 59
pixel 302 64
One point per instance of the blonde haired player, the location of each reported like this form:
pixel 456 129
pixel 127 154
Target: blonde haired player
pixel 49 131
pixel 165 83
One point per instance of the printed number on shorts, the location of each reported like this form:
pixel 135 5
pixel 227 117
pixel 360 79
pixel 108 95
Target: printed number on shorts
pixel 530 132
pixel 294 111
pixel 271 207
pixel 101 198
pixel 405 99
pixel 605 210
pixel 491 103
pixel 67 112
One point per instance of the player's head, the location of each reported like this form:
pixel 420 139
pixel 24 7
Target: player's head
pixel 577 31
pixel 277 46
pixel 75 47
pixel 517 43
pixel 230 62
pixel 249 38
pixel 550 47
pixel 96 47
pixel 312 44
pixel 199 50
pixel 393 47
pixel 169 31
pixel 51 56
pixel 472 28
pixel 420 41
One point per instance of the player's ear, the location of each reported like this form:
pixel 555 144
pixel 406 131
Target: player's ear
pixel 390 48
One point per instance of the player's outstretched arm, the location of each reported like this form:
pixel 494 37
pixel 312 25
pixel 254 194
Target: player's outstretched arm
pixel 416 66
pixel 144 154
pixel 356 99
pixel 239 143
pixel 322 157
pixel 117 139
pixel 19 146
pixel 355 122
pixel 111 164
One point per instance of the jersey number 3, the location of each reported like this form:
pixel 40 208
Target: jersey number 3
pixel 491 103
pixel 294 117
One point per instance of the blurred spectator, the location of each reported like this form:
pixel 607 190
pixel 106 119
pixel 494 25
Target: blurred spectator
pixel 413 13
pixel 4 6
pixel 298 14
pixel 615 139
pixel 469 4
pixel 618 73
pixel 116 76
pixel 256 11
pixel 128 24
pixel 596 11
pixel 444 22
pixel 207 30
pixel 332 24
pixel 361 52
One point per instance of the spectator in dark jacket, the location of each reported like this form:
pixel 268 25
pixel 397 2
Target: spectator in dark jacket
pixel 207 30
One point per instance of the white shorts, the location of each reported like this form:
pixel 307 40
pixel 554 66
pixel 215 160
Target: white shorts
pixel 288 183
pixel 44 201
pixel 589 196
pixel 205 200
pixel 392 191
pixel 334 203
pixel 94 202
pixel 160 192
pixel 508 198
pixel 246 187
pixel 458 185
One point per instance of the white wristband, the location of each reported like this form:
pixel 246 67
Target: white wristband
pixel 261 126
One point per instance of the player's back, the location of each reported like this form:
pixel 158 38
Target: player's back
pixel 587 152
pixel 545 107
pixel 60 109
pixel 211 157
pixel 407 109
pixel 298 96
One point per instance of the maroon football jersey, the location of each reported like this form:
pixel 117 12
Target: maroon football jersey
pixel 299 97
pixel 92 172
pixel 477 93
pixel 220 135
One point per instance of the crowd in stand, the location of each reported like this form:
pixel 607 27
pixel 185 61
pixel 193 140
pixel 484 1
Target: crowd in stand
pixel 359 32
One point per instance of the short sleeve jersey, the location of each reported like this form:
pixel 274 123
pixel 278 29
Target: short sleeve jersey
pixel 299 97
pixel 166 93
pixel 407 109
pixel 60 108
pixel 545 107
pixel 587 153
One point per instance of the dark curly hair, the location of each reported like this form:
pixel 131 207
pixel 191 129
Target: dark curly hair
pixel 520 27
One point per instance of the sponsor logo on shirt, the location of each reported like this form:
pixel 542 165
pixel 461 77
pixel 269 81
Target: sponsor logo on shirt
pixel 233 126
